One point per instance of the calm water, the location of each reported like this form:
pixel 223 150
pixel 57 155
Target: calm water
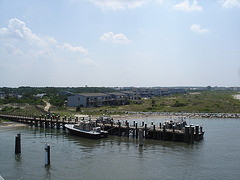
pixel 216 157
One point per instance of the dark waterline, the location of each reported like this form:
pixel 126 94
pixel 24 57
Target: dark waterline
pixel 216 157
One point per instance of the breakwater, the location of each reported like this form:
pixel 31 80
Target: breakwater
pixel 182 114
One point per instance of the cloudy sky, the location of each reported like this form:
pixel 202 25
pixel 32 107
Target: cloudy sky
pixel 119 43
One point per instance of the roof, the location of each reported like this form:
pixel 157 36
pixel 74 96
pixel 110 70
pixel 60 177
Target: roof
pixel 92 94
pixel 117 93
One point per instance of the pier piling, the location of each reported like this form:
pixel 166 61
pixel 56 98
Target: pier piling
pixel 140 134
pixel 18 144
pixel 146 131
pixel 136 127
pixel 47 154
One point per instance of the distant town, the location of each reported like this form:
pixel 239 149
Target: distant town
pixel 96 96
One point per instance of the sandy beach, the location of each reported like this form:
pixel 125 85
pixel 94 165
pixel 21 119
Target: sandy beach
pixel 11 124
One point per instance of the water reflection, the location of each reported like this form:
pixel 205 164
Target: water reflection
pixel 18 159
pixel 47 174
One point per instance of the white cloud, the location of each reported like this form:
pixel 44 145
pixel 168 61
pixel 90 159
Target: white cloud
pixel 185 6
pixel 18 30
pixel 197 29
pixel 87 61
pixel 10 49
pixel 230 3
pixel 18 39
pixel 121 4
pixel 79 49
pixel 116 38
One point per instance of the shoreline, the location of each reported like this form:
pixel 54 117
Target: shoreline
pixel 11 124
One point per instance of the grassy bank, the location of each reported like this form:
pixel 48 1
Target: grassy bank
pixel 192 102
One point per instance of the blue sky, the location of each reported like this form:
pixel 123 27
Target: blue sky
pixel 120 43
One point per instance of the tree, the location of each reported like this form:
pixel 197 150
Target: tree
pixel 78 108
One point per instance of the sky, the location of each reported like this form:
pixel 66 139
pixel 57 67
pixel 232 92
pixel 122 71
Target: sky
pixel 118 43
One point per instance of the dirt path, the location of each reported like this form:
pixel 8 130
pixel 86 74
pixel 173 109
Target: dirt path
pixel 47 107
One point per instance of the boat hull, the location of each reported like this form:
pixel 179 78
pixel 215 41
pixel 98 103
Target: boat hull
pixel 85 134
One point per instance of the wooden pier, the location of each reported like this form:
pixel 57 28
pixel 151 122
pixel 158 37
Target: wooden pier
pixel 167 132
pixel 42 121
pixel 177 131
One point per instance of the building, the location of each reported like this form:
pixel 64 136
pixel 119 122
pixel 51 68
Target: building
pixel 97 99
pixel 115 98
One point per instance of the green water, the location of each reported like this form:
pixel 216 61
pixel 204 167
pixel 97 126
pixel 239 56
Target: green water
pixel 216 157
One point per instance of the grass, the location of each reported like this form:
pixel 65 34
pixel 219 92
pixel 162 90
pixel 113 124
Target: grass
pixel 204 102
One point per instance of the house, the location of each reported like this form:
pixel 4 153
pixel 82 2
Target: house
pixel 40 95
pixel 118 98
pixel 88 99
pixel 97 99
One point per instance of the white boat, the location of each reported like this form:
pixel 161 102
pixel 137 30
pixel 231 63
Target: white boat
pixel 86 129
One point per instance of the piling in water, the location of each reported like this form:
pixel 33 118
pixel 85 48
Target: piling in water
pixel 47 154
pixel 140 134
pixel 146 131
pixel 18 144
pixel 154 132
pixel 136 127
pixel 119 128
pixel 197 132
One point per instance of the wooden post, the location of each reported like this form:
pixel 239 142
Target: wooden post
pixel 40 120
pixel 36 122
pixel 18 144
pixel 187 139
pixel 127 129
pixel 160 125
pixel 197 132
pixel 164 132
pixel 140 137
pixel 119 128
pixel 192 134
pixel 174 134
pixel 142 123
pixel 57 122
pixel 136 127
pixel 146 132
pixel 133 130
pixel 47 154
pixel 154 131
pixel 63 123
pixel 51 123
pixel 46 123
pixel 31 121
pixel 151 122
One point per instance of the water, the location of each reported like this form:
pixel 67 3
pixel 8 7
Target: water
pixel 216 157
